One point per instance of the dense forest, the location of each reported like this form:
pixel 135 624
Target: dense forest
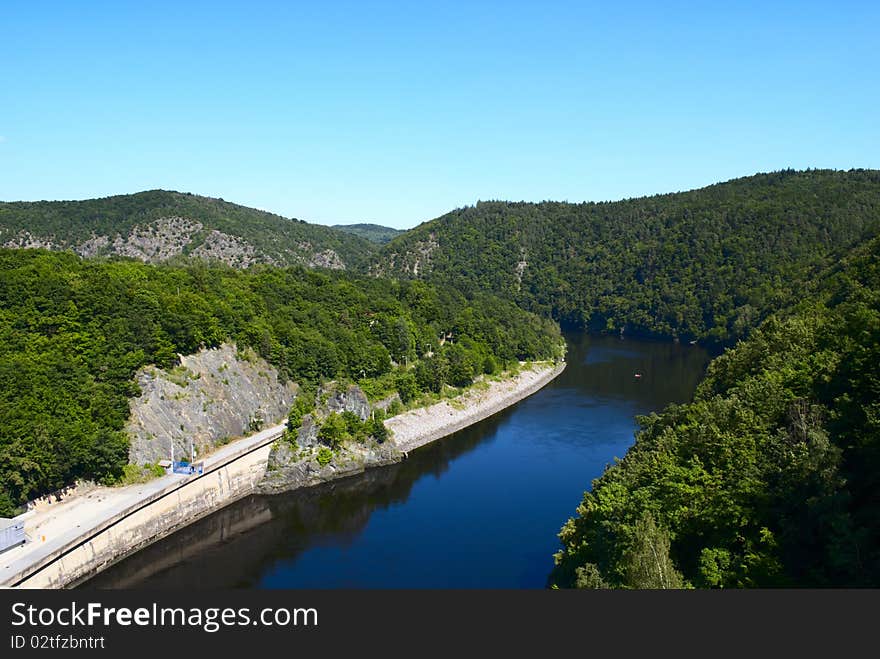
pixel 71 223
pixel 372 232
pixel 73 332
pixel 770 477
pixel 707 264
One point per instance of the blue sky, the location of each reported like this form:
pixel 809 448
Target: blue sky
pixel 398 112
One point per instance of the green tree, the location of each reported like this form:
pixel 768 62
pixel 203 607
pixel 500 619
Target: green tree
pixel 460 369
pixel 333 431
pixel 647 564
pixel 407 386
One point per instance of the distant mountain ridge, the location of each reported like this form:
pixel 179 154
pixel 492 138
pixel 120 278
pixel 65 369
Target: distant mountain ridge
pixel 705 264
pixel 767 478
pixel 373 232
pixel 157 225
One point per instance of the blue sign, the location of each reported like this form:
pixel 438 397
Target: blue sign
pixel 189 468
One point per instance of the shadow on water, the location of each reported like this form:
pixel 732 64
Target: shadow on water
pixel 232 547
pixel 608 366
pixel 480 508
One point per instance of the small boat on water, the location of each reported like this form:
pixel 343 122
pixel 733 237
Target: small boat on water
pixel 638 375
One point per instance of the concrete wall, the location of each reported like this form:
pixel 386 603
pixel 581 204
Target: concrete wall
pixel 169 509
pixel 135 530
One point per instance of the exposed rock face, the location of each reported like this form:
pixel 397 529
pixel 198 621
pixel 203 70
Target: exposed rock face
pixel 387 402
pixel 157 241
pixel 25 240
pixel 520 268
pixel 331 399
pixel 232 250
pixel 290 468
pixel 326 259
pixel 213 396
pixel 353 399
pixel 94 246
pixel 422 257
pixel 307 435
pixel 415 262
pixel 168 237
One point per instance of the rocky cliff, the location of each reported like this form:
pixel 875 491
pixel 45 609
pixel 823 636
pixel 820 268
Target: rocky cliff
pixel 294 461
pixel 168 237
pixel 212 397
pixel 156 225
pixel 290 467
pixel 331 399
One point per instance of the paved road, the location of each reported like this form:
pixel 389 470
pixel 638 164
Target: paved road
pixel 65 522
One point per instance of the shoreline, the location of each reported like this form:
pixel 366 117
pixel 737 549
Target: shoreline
pixel 416 428
pixel 107 524
pixel 409 430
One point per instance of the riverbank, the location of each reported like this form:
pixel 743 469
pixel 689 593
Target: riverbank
pixel 288 469
pixel 75 538
pixel 424 425
pixel 86 531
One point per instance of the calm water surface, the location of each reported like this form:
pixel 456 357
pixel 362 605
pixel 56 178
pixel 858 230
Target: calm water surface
pixel 478 509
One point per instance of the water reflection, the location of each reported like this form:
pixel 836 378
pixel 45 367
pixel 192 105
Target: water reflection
pixel 232 547
pixel 480 508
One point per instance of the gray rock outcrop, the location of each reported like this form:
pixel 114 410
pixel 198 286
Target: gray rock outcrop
pixel 307 435
pixel 327 258
pixel 293 465
pixel 157 241
pixel 290 468
pixel 212 397
pixel 169 237
pixel 332 398
pixel 232 250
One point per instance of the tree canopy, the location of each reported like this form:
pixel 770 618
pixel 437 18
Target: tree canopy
pixel 73 333
pixel 707 264
pixel 770 476
pixel 276 239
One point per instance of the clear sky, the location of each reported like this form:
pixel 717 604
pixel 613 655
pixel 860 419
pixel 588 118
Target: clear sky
pixel 398 112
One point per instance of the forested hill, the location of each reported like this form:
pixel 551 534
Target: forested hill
pixel 157 225
pixel 770 477
pixel 373 232
pixel 73 333
pixel 705 264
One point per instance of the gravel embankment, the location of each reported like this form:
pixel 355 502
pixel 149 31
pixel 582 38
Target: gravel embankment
pixel 422 426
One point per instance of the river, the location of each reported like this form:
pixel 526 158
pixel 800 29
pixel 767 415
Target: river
pixel 478 509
